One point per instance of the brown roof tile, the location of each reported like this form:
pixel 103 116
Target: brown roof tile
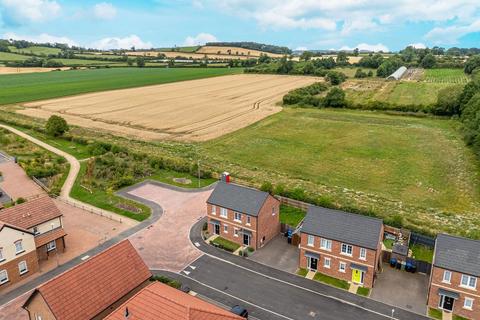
pixel 49 236
pixel 161 302
pixel 31 213
pixel 91 287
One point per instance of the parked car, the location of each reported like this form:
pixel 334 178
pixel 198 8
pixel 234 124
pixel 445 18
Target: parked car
pixel 240 311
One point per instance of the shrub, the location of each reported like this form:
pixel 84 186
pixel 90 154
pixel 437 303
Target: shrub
pixel 21 200
pixel 361 74
pixel 168 281
pixel 335 98
pixel 448 101
pixel 472 64
pixel 335 77
pixel 56 126
pixel 267 187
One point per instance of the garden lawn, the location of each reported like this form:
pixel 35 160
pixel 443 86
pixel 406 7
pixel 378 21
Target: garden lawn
pixel 417 161
pixel 422 253
pixel 225 244
pixel 37 86
pixel 342 284
pixel 291 215
pixel 362 291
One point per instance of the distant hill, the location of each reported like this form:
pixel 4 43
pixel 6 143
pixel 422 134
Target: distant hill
pixel 252 46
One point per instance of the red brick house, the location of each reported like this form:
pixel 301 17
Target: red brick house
pixel 161 302
pixel 342 245
pixel 453 280
pixel 92 289
pixel 29 232
pixel 243 215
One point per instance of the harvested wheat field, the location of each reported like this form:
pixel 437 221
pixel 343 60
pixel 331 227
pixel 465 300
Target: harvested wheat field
pixel 12 70
pixel 194 110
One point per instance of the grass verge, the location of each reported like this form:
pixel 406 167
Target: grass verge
pixel 435 313
pixel 291 215
pixel 342 284
pixel 362 291
pixel 302 272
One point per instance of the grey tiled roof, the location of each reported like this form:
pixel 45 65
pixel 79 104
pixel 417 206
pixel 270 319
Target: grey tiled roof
pixel 342 226
pixel 238 198
pixel 457 254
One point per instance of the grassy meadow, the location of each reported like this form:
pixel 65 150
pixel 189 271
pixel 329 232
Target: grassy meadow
pixel 10 57
pixel 37 86
pixel 37 50
pixel 419 162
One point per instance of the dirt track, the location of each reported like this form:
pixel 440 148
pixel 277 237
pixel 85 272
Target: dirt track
pixel 191 110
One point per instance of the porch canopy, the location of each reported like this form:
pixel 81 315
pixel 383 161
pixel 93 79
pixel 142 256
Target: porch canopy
pixel 358 267
pixel 450 294
pixel 312 255
pixel 214 222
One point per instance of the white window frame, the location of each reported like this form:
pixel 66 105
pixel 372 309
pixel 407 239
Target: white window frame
pixel 273 211
pixel 225 228
pixel 235 232
pixel 344 265
pixel 4 280
pixel 447 279
pixel 20 270
pixel 469 280
pixel 2 258
pixel 363 254
pixel 470 300
pixel 237 215
pixel 325 264
pixel 214 210
pixel 51 247
pixel 248 220
pixel 326 244
pixel 223 213
pixel 310 240
pixel 346 246
pixel 37 317
pixel 21 247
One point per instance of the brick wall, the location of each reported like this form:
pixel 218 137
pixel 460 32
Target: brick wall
pixel 13 271
pixel 43 254
pixel 38 307
pixel 434 297
pixel 336 258
pixel 268 223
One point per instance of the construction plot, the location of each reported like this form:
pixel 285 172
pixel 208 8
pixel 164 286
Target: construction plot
pixel 189 110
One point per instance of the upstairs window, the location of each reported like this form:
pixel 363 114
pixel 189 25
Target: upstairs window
pixel 310 240
pixel 326 244
pixel 347 249
pixel 248 220
pixel 214 210
pixel 468 281
pixel 223 212
pixel 238 216
pixel 1 255
pixel 363 254
pixel 447 276
pixel 18 247
pixel 22 267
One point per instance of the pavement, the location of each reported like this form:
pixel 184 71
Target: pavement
pixel 401 289
pixel 283 295
pixel 16 183
pixel 278 254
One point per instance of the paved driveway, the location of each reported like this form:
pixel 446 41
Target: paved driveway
pixel 166 245
pixel 402 289
pixel 16 183
pixel 278 254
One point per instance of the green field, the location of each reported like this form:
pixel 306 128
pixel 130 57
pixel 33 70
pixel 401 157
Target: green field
pixel 368 159
pixel 180 49
pixel 36 86
pixel 453 76
pixel 350 72
pixel 102 56
pixel 85 62
pixel 7 56
pixel 37 50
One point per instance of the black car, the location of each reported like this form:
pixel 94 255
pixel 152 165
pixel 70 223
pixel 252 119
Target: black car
pixel 240 311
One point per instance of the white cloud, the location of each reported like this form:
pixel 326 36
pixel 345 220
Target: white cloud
pixel 121 43
pixel 199 39
pixel 104 11
pixel 367 47
pixel 41 38
pixel 418 45
pixel 31 10
pixel 301 49
pixel 451 34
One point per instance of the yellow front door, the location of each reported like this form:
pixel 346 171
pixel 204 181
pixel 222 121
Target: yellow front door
pixel 356 276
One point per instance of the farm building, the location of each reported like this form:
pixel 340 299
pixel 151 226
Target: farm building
pixel 398 74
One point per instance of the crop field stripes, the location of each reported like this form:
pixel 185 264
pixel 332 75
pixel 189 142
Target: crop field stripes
pixel 453 76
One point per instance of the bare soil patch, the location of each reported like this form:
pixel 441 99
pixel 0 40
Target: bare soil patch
pixel 10 70
pixel 195 110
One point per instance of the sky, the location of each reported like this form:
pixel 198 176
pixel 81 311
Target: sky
pixel 298 24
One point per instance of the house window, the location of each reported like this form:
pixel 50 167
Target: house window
pixel 22 267
pixel 347 249
pixel 238 217
pixel 52 245
pixel 326 244
pixel 225 228
pixel 35 230
pixel 248 220
pixel 3 276
pixel 468 282
pixel 214 210
pixel 363 254
pixel 468 303
pixel 1 255
pixel 310 240
pixel 273 211
pixel 447 276
pixel 327 263
pixel 235 232
pixel 19 247
pixel 223 212
pixel 342 267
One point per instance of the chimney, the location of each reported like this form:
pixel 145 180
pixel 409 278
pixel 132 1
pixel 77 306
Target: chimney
pixel 226 177
pixel 127 313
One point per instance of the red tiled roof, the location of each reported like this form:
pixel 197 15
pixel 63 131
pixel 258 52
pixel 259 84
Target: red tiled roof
pixel 161 302
pixel 91 287
pixel 31 213
pixel 45 238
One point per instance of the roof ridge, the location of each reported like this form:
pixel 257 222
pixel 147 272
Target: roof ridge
pixel 339 211
pixel 454 236
pixel 211 312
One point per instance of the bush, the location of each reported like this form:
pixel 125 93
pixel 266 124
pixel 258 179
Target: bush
pixel 389 66
pixel 472 64
pixel 168 281
pixel 56 126
pixel 21 200
pixel 335 98
pixel 335 77
pixel 361 74
pixel 448 101
pixel 267 187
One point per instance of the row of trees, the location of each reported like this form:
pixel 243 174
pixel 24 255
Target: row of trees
pixel 35 62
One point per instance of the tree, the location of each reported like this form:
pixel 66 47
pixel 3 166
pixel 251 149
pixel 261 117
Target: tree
pixel 308 68
pixel 264 58
pixel 428 61
pixel 285 66
pixel 129 62
pixel 356 52
pixel 140 62
pixel 448 101
pixel 360 74
pixel 335 77
pixel 306 55
pixel 388 67
pixel 472 64
pixel 335 98
pixel 342 58
pixel 56 126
